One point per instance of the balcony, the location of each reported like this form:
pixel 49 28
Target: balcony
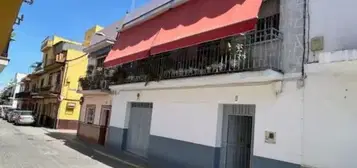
pixel 56 89
pixel 45 88
pixel 253 51
pixel 4 53
pixel 53 63
pixel 4 57
pixel 60 58
pixel 63 46
pixel 97 82
pixel 23 95
pixel 50 90
pixel 35 91
pixel 46 43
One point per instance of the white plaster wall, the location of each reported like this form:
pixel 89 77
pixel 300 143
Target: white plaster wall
pixel 97 100
pixel 330 121
pixel 18 78
pixel 335 21
pixel 192 115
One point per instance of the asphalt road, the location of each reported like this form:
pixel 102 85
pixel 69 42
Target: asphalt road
pixel 29 147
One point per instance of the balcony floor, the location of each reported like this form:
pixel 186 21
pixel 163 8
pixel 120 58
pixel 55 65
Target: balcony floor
pixel 268 75
pixel 3 63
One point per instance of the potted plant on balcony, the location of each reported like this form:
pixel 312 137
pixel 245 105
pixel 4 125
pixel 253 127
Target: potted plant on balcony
pixel 90 69
pixel 119 75
pixel 84 83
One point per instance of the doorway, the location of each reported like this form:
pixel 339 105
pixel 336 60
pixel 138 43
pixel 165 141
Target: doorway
pixel 139 129
pixel 237 136
pixel 104 122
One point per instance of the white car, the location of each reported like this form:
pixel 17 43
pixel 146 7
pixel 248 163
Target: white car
pixel 3 110
pixel 23 117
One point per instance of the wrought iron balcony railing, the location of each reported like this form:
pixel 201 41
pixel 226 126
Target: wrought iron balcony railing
pixel 253 51
pixel 97 81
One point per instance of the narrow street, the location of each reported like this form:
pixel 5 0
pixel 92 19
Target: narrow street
pixel 30 147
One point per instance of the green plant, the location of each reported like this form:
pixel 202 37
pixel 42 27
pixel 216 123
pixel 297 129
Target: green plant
pixel 90 69
pixel 12 37
pixel 119 75
pixel 85 83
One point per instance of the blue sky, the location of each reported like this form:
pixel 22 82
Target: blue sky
pixel 66 18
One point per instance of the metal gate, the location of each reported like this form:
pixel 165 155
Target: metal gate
pixel 237 136
pixel 139 129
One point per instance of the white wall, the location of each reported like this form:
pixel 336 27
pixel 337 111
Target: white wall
pixel 335 21
pixel 330 121
pixel 192 115
pixel 18 78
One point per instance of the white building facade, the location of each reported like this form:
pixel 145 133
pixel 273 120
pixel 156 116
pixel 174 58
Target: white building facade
pixel 329 116
pixel 13 88
pixel 285 115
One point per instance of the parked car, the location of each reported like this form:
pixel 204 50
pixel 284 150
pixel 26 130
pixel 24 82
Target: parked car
pixel 12 115
pixel 24 117
pixel 8 112
pixel 3 109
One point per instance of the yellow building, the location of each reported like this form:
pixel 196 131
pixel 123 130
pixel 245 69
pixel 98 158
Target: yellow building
pixel 56 100
pixel 9 10
pixel 89 34
pixel 51 90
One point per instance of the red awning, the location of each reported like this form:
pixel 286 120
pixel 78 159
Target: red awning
pixel 194 22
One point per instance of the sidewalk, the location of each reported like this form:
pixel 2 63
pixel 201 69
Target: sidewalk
pixel 71 136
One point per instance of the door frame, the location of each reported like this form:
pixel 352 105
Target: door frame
pixel 251 114
pixel 131 105
pixel 105 107
pixel 105 129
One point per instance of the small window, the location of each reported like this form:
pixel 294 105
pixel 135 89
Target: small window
pixel 90 114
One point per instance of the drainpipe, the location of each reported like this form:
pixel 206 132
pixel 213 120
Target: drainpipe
pixel 64 70
pixel 305 46
pixel 306 51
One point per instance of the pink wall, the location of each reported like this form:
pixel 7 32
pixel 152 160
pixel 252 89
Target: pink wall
pixel 97 100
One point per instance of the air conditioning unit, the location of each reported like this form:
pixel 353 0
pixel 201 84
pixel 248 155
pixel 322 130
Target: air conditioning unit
pixel 71 105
